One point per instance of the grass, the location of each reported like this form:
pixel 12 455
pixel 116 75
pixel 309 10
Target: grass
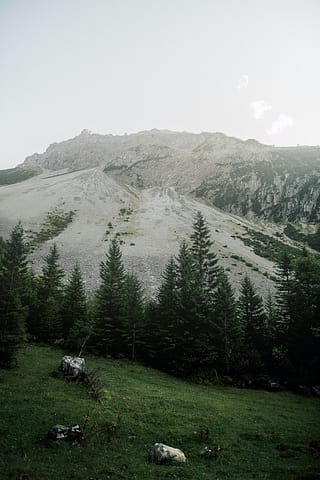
pixel 311 239
pixel 267 246
pixel 55 222
pixel 17 174
pixel 263 435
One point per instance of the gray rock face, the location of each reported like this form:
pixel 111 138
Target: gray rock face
pixel 242 177
pixel 163 454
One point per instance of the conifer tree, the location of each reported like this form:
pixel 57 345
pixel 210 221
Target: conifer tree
pixel 252 319
pixel 74 309
pixel 302 345
pixel 108 329
pixel 226 326
pixel 274 349
pixel 162 319
pixel 133 317
pixel 13 310
pixel 284 300
pixel 271 315
pixel 50 298
pixel 34 318
pixel 193 330
pixel 205 260
pixel 150 349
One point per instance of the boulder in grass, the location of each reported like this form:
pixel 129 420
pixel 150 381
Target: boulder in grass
pixel 73 366
pixel 61 432
pixel 163 454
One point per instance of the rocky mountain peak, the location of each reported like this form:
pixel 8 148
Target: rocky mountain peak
pixel 242 177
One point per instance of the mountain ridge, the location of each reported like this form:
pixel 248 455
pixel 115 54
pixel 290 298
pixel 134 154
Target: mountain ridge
pixel 145 190
pixel 244 177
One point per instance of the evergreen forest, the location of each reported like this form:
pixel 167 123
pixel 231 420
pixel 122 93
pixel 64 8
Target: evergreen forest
pixel 195 327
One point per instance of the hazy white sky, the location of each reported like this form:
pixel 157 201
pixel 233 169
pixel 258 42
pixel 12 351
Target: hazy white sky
pixel 247 68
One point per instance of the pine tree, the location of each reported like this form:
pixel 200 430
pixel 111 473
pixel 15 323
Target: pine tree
pixel 76 326
pixel 193 330
pixel 302 345
pixel 108 327
pixel 205 260
pixel 226 326
pixel 35 317
pixel 271 315
pixel 162 319
pixel 13 310
pixel 50 296
pixel 252 319
pixel 284 300
pixel 274 350
pixel 133 317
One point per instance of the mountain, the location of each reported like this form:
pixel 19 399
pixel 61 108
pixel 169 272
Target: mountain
pixel 145 189
pixel 242 177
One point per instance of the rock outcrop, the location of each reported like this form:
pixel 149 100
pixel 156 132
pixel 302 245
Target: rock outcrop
pixel 73 366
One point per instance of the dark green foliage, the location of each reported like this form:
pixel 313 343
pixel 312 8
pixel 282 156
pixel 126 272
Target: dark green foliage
pixel 55 222
pixel 133 333
pixel 273 332
pixel 311 239
pixel 271 316
pixel 267 246
pixel 293 233
pixel 108 328
pixel 18 174
pixel 253 325
pixel 205 261
pixel 181 342
pixel 76 325
pixel 191 331
pixel 284 298
pixel 192 328
pixel 50 295
pixel 13 306
pixel 302 345
pixel 226 327
pixel 162 319
pixel 110 168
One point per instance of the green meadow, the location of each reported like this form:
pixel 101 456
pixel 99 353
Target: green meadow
pixel 253 434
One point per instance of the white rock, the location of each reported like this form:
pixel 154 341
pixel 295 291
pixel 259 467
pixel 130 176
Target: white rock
pixel 73 366
pixel 163 454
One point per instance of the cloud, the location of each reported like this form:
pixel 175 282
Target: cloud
pixel 281 123
pixel 243 82
pixel 259 108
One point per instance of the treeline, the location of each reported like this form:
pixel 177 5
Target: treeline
pixel 195 326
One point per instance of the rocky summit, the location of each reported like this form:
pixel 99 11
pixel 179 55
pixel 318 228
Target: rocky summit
pixel 145 189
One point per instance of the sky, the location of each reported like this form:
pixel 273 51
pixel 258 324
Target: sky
pixel 246 68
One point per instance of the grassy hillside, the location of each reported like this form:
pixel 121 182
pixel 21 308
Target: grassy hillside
pixel 17 174
pixel 263 435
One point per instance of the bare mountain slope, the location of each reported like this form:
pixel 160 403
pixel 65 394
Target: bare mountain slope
pixel 150 224
pixel 242 177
